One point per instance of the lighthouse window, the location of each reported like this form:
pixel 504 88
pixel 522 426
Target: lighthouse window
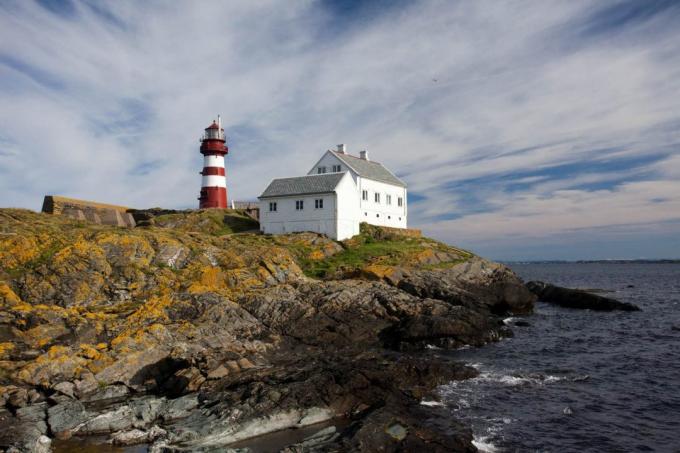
pixel 400 202
pixel 318 204
pixel 299 205
pixel 364 195
pixel 272 206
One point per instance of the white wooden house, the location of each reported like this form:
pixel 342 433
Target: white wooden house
pixel 339 192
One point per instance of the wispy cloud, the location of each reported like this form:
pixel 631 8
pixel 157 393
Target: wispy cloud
pixel 510 120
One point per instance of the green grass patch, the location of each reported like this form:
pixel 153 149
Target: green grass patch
pixel 355 257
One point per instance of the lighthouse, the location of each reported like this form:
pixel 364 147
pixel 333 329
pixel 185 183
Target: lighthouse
pixel 214 180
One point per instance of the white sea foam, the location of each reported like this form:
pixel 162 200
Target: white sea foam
pixel 508 321
pixel 513 380
pixel 484 445
pixel 431 403
pixel 431 346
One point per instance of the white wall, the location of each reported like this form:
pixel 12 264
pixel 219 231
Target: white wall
pixel 371 212
pixel 286 219
pixel 328 160
pixel 381 213
pixel 348 208
pixel 339 218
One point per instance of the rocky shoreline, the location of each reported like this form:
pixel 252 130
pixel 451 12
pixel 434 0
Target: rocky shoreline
pixel 190 344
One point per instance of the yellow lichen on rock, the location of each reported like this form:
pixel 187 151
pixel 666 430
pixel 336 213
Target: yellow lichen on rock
pixel 5 348
pixel 126 249
pixel 8 297
pixel 17 250
pixel 391 274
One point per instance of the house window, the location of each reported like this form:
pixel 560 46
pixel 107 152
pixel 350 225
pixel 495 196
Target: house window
pixel 388 199
pixel 377 197
pixel 321 170
pixel 400 202
pixel 364 195
pixel 377 215
pixel 299 205
pixel 272 206
pixel 318 204
pixel 366 214
pixel 389 216
pixel 337 168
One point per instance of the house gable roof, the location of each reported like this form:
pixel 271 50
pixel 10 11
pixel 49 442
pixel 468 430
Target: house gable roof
pixel 369 169
pixel 303 185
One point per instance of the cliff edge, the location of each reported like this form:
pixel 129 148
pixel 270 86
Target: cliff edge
pixel 191 333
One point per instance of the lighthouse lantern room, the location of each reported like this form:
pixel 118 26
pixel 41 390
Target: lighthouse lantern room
pixel 214 181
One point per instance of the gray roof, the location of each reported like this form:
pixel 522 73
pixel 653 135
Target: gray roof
pixel 302 185
pixel 369 169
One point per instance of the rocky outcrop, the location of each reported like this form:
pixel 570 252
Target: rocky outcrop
pixel 575 298
pixel 191 341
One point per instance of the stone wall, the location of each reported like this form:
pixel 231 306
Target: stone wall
pixel 250 208
pixel 100 213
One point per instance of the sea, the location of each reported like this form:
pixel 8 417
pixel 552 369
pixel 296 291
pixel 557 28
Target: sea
pixel 579 380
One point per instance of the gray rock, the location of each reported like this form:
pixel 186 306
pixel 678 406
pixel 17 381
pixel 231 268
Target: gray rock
pixel 116 420
pixel 18 397
pixel 110 392
pixel 179 407
pixel 66 388
pixel 137 436
pixel 147 408
pixel 66 417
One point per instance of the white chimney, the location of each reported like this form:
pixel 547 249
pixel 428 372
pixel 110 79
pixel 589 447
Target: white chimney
pixel 341 148
pixel 363 154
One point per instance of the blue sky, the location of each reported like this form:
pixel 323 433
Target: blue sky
pixel 525 129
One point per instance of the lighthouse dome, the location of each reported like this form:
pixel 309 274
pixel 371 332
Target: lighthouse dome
pixel 214 131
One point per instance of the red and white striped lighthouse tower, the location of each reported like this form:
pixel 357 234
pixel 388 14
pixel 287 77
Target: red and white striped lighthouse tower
pixel 214 181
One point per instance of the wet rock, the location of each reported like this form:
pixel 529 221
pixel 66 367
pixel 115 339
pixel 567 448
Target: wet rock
pixel 315 442
pixel 397 429
pixel 574 298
